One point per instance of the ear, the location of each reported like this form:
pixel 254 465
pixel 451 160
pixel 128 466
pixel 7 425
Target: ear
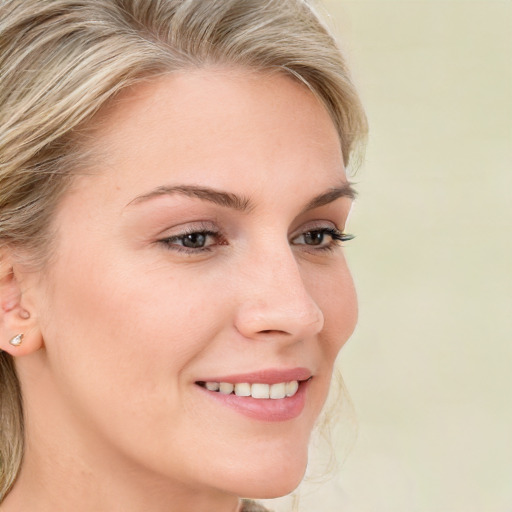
pixel 16 314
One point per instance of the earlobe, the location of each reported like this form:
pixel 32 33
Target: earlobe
pixel 19 336
pixel 19 332
pixel 21 344
pixel 17 340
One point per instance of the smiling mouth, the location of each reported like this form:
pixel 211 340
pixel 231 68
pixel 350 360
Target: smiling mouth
pixel 275 391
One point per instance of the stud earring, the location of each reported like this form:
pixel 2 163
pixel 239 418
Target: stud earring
pixel 17 340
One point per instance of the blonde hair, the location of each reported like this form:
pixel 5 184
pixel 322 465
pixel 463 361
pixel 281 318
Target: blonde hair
pixel 61 61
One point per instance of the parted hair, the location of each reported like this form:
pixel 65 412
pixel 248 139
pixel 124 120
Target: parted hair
pixel 62 61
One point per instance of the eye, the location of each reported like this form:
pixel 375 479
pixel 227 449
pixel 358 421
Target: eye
pixel 322 238
pixel 193 241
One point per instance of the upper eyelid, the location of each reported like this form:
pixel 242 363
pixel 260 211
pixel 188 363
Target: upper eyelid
pixel 187 228
pixel 317 225
pixel 216 231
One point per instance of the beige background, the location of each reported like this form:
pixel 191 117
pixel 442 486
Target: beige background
pixel 429 368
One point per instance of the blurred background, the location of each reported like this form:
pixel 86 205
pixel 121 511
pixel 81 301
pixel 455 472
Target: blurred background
pixel 429 367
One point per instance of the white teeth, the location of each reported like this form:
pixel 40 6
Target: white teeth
pixel 260 391
pixel 278 390
pixel 243 389
pixel 226 388
pixel 291 388
pixel 275 391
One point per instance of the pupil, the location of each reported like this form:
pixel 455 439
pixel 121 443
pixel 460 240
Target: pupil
pixel 314 237
pixel 194 240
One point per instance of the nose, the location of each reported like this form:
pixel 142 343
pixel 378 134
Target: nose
pixel 275 301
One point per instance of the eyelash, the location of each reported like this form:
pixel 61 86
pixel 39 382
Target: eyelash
pixel 170 242
pixel 337 238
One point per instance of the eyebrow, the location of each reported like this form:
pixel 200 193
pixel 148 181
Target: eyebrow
pixel 240 203
pixel 226 199
pixel 344 190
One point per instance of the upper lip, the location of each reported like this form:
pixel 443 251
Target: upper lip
pixel 265 376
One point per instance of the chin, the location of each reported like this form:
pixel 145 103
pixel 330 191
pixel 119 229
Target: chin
pixel 275 489
pixel 271 479
pixel 267 488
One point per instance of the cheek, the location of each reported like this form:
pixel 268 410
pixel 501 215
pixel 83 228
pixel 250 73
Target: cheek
pixel 133 328
pixel 120 345
pixel 119 327
pixel 335 295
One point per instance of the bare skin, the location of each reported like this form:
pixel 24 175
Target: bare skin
pixel 128 318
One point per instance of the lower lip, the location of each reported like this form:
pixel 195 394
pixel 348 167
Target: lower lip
pixel 264 409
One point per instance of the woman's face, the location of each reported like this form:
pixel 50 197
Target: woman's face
pixel 201 247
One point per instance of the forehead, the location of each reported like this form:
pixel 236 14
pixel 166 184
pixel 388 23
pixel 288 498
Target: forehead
pixel 214 126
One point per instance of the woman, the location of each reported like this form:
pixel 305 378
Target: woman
pixel 173 290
